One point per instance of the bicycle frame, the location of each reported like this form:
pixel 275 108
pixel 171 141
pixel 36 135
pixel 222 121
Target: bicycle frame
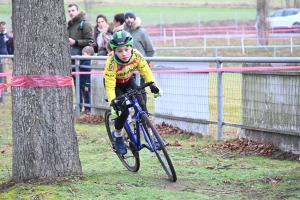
pixel 137 135
pixel 132 139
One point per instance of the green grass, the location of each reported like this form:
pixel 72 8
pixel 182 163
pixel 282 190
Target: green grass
pixel 249 177
pixel 252 177
pixel 190 3
pixel 226 52
pixel 168 12
pixel 168 15
pixel 152 15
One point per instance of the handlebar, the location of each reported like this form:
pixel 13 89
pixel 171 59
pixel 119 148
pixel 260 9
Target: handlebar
pixel 130 93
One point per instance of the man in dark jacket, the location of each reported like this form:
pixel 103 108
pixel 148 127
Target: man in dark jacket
pixel 80 31
pixel 141 38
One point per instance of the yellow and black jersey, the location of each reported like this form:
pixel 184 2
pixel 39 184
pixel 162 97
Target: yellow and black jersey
pixel 115 72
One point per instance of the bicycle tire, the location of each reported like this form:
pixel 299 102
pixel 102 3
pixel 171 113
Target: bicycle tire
pixel 131 160
pixel 162 153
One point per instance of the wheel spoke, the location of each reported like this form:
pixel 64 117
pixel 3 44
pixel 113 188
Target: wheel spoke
pixel 162 153
pixel 131 159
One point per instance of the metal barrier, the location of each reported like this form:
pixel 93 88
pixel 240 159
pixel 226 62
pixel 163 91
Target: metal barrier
pixel 218 61
pixel 186 61
pixel 291 48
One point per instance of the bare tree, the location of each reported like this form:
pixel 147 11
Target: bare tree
pixel 289 4
pixel 281 3
pixel 87 6
pixel 44 139
pixel 261 25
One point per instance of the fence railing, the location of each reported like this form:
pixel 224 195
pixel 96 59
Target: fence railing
pixel 222 74
pixel 291 48
pixel 260 96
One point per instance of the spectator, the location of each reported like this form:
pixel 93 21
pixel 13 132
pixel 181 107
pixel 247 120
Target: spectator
pixel 118 25
pixel 4 37
pixel 141 38
pixel 85 79
pixel 142 41
pixel 101 36
pixel 10 44
pixel 110 31
pixel 118 22
pixel 80 33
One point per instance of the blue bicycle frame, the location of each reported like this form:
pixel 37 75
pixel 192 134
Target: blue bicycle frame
pixel 132 138
pixel 137 137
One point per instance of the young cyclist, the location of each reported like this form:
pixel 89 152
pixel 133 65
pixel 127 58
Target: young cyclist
pixel 118 72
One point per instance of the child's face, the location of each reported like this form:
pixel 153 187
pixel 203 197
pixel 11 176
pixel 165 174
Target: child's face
pixel 123 53
pixel 85 54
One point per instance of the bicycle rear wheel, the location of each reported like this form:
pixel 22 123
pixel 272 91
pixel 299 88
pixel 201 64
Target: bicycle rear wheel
pixel 162 153
pixel 131 159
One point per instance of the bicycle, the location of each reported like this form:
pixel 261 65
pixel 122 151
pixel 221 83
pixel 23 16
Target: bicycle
pixel 132 135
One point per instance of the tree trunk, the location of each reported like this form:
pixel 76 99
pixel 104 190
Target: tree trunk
pixel 281 4
pixel 87 6
pixel 44 139
pixel 261 25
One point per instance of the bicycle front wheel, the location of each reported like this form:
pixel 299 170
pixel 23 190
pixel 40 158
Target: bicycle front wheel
pixel 131 159
pixel 160 152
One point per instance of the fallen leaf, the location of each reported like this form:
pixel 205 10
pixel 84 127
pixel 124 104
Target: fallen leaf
pixel 100 140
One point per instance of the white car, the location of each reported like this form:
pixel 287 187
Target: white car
pixel 288 18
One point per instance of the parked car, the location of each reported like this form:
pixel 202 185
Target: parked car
pixel 288 18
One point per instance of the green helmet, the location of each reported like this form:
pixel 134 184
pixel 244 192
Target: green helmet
pixel 120 38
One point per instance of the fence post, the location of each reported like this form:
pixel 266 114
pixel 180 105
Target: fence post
pixel 204 42
pixel 199 18
pixel 77 87
pixel 236 23
pixel 243 30
pixel 174 39
pixel 220 101
pixel 161 23
pixel 242 41
pixel 291 44
pixel 228 39
pixel 165 35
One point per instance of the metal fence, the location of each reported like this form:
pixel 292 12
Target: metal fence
pixel 222 93
pixel 217 49
pixel 218 101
